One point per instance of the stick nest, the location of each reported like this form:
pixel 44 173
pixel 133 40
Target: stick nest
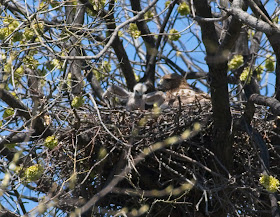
pixel 183 176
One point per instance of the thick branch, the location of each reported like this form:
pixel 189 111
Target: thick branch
pixel 253 21
pixel 209 34
pixel 277 82
pixel 75 66
pixel 232 34
pixel 250 109
pixel 10 100
pixel 14 7
pixel 273 103
pixel 222 142
pixel 120 52
pixel 258 8
pixel 147 37
pixel 7 213
pixel 150 70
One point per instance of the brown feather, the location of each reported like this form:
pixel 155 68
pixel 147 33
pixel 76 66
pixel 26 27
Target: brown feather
pixel 176 86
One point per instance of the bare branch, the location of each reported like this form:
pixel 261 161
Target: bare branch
pixel 114 34
pixel 253 21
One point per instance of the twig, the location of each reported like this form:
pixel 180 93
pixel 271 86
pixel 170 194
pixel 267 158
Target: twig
pixel 102 123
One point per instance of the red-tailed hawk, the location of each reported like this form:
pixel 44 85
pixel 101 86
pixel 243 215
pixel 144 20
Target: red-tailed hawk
pixel 136 99
pixel 176 87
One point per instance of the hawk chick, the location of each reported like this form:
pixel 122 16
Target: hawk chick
pixel 176 86
pixel 136 99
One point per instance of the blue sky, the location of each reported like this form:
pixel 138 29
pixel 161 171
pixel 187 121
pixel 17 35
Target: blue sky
pixel 190 42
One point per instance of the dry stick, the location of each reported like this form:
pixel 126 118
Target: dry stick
pixel 147 151
pixel 274 104
pixel 102 123
pixel 193 161
pixel 248 116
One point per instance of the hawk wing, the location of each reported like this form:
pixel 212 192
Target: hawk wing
pixel 157 97
pixel 115 91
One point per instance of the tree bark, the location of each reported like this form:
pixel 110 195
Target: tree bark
pixel 217 63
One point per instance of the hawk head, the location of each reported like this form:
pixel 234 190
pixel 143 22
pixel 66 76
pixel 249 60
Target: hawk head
pixel 140 89
pixel 171 82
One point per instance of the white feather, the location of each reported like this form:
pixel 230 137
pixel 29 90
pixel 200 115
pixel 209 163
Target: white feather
pixel 136 99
